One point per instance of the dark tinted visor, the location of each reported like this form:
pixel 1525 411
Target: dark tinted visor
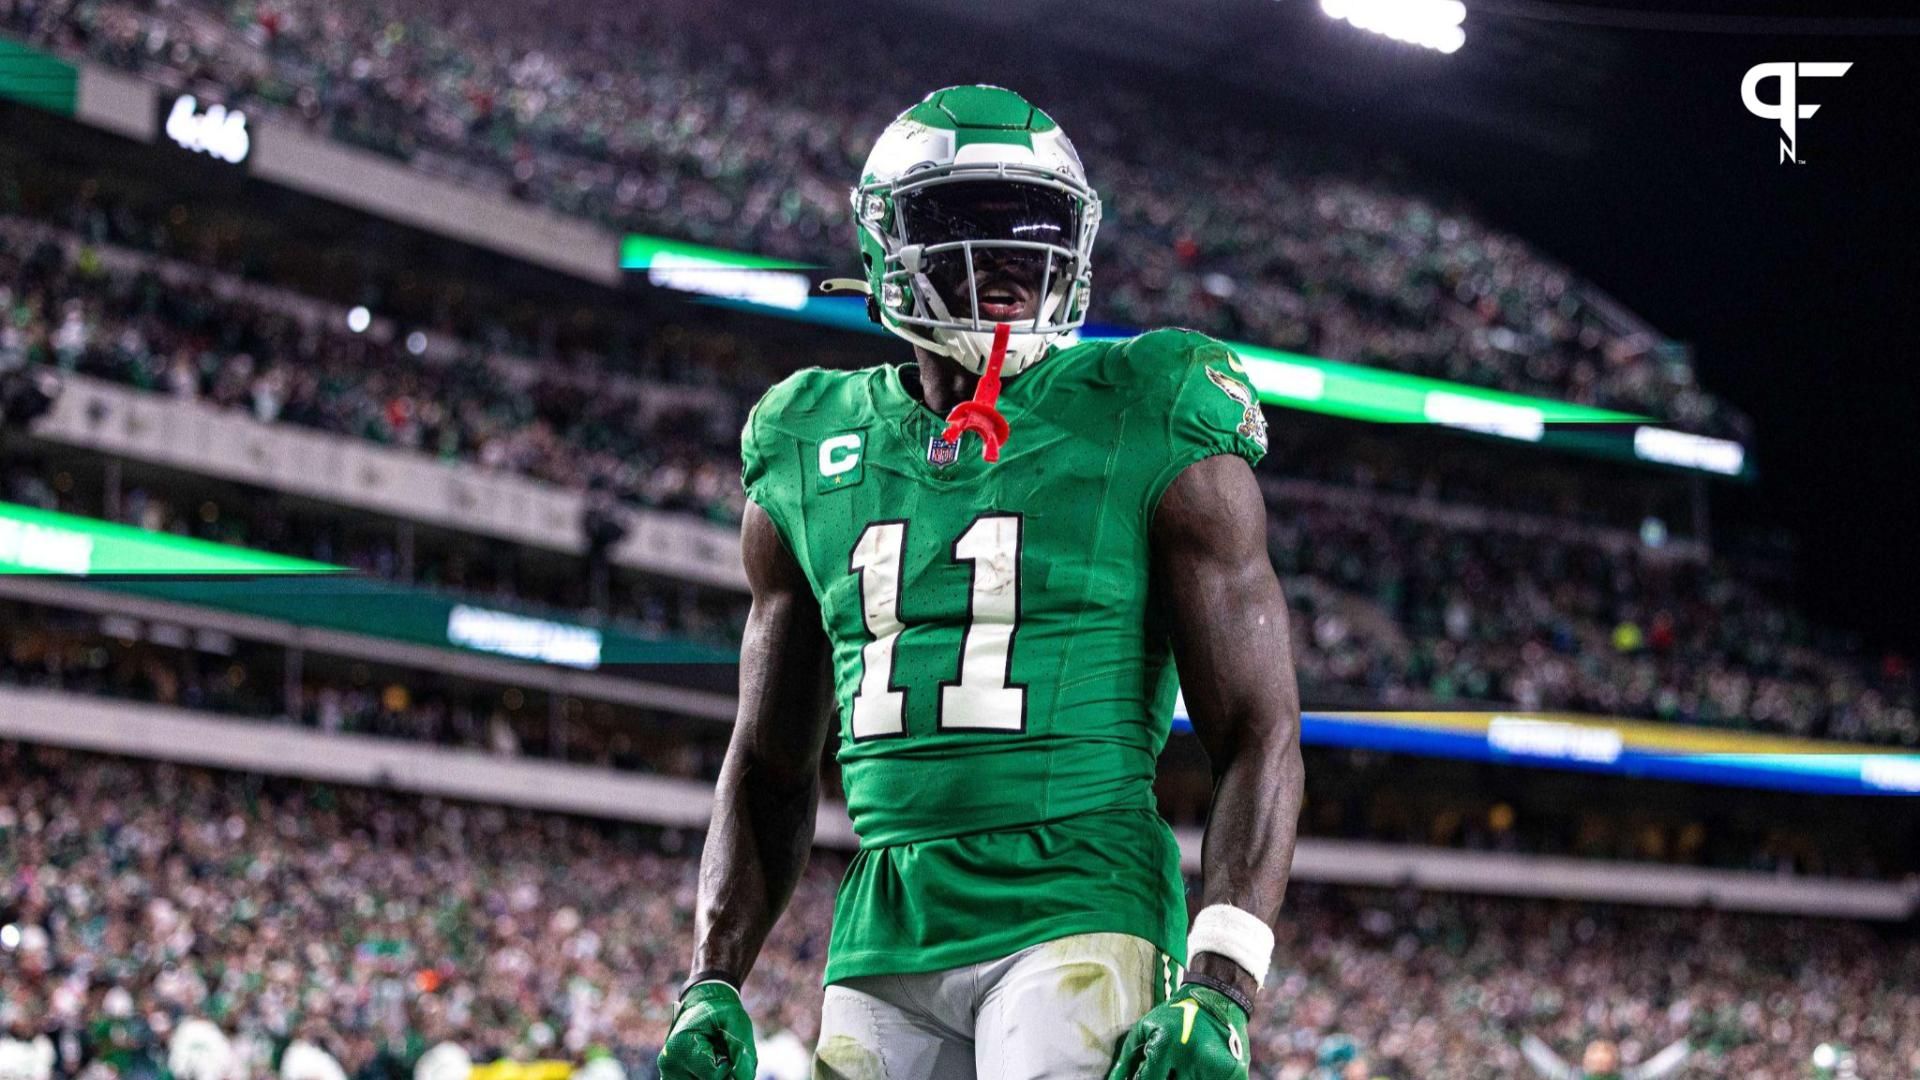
pixel 988 210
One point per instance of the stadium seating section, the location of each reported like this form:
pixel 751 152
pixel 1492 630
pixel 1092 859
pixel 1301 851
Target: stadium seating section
pixel 698 122
pixel 135 895
pixel 1414 611
pixel 528 935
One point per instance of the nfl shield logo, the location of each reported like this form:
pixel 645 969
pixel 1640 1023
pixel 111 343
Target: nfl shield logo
pixel 941 453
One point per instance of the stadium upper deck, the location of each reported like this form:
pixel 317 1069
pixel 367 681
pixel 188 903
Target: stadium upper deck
pixel 703 123
pixel 1409 607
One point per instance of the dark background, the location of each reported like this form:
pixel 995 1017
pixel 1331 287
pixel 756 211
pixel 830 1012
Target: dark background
pixel 1794 283
pixel 1611 136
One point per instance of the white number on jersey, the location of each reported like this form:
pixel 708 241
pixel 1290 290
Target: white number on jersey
pixel 983 698
pixel 878 708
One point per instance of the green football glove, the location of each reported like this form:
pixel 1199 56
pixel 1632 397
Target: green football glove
pixel 711 1037
pixel 1197 1034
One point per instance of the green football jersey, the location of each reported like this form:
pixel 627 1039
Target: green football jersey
pixel 1004 686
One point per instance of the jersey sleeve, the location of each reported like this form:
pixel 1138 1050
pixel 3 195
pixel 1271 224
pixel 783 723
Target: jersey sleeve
pixel 765 463
pixel 1211 406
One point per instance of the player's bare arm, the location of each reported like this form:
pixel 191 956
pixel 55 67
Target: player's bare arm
pixel 764 806
pixel 1230 642
pixel 1228 621
pixel 769 786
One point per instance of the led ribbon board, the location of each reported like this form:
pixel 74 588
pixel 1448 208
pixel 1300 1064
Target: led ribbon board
pixel 724 275
pixel 1635 748
pixel 1284 379
pixel 38 78
pixel 180 570
pixel 44 542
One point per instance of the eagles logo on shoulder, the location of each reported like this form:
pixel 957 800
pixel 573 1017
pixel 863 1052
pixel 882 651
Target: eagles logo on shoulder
pixel 1253 423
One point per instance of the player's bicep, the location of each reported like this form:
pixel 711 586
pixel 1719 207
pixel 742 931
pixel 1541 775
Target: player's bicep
pixel 1226 612
pixel 783 713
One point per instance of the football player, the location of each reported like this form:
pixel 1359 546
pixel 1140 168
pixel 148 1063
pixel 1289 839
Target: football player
pixel 987 565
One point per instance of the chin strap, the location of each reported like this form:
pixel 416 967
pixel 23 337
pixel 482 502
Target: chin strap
pixel 979 415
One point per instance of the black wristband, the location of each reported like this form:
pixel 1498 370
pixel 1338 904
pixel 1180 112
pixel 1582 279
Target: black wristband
pixel 707 975
pixel 1232 992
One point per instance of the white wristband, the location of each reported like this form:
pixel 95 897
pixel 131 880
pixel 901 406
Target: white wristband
pixel 1240 936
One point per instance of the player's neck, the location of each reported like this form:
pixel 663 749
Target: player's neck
pixel 941 383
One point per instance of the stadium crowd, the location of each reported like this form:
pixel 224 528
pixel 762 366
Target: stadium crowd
pixel 121 659
pixel 376 923
pixel 1453 615
pixel 134 895
pixel 1457 615
pixel 156 325
pixel 718 125
pixel 126 660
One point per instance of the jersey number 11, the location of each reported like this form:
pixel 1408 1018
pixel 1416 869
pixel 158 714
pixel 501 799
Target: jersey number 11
pixel 983 698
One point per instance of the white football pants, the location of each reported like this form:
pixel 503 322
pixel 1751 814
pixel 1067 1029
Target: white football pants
pixel 1056 1011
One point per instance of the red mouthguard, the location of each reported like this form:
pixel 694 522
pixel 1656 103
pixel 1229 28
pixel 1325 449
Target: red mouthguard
pixel 979 416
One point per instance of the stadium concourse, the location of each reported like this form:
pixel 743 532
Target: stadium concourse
pixel 1413 608
pixel 374 924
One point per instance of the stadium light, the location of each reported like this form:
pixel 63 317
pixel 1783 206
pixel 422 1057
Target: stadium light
pixel 358 319
pixel 1434 24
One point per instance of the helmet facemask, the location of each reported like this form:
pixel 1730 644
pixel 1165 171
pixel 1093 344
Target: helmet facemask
pixel 967 246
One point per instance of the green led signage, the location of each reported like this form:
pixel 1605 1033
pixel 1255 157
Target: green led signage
pixel 44 542
pixel 159 566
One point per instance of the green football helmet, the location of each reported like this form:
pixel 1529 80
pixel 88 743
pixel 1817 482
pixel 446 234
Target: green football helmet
pixel 970 178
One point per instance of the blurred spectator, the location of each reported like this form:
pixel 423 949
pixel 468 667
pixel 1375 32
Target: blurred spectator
pixel 52 651
pixel 1420 611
